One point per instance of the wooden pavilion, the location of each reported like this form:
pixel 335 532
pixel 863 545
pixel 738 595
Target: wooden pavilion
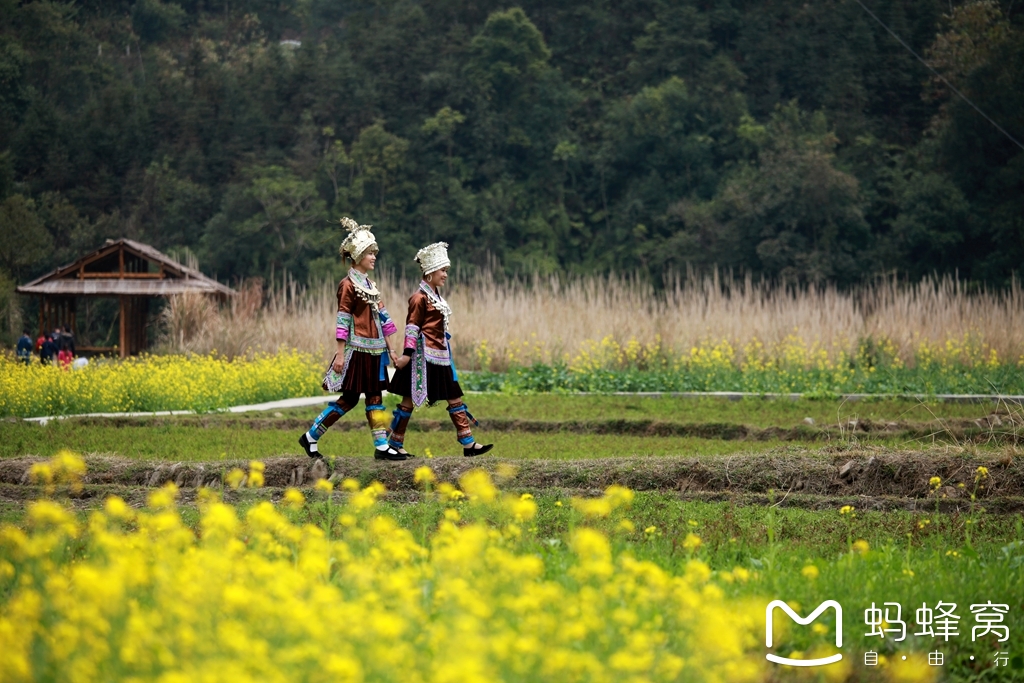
pixel 123 269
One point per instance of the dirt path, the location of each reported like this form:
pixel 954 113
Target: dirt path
pixel 844 473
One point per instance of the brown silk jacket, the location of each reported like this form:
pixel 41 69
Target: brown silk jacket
pixel 423 319
pixel 356 324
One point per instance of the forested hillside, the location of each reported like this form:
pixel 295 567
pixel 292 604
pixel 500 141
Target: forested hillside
pixel 791 139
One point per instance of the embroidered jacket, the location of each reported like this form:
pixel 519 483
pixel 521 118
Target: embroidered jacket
pixel 356 323
pixel 426 320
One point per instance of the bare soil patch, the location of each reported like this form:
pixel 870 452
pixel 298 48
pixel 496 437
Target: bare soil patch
pixel 845 473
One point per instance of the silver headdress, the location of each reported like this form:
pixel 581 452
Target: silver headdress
pixel 433 257
pixel 358 241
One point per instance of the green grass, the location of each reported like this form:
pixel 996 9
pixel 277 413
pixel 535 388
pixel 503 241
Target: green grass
pixel 227 435
pixel 182 443
pixel 863 375
pixel 755 412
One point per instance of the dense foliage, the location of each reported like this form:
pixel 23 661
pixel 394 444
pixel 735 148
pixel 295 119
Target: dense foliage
pixel 794 140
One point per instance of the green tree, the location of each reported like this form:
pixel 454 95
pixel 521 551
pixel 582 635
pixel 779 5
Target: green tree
pixel 984 56
pixel 380 161
pixel 676 43
pixel 24 241
pixel 929 232
pixel 274 222
pixel 659 147
pixel 170 210
pixel 442 126
pixel 790 215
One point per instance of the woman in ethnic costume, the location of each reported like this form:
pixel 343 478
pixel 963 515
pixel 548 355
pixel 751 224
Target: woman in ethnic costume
pixel 364 329
pixel 426 370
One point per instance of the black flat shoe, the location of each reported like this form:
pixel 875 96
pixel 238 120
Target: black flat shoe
pixel 473 450
pixel 406 453
pixel 309 446
pixel 388 454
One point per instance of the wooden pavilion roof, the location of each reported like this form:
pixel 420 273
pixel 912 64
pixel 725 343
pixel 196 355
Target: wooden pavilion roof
pixel 124 268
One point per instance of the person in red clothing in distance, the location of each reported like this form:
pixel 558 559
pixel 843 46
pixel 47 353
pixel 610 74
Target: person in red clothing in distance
pixel 426 370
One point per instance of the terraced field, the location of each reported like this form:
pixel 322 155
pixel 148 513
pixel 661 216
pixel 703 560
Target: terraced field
pixel 873 501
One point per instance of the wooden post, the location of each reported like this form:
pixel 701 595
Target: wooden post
pixel 122 346
pixel 141 310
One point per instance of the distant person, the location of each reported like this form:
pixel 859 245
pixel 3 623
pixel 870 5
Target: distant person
pixel 67 341
pixel 48 350
pixel 426 369
pixel 24 349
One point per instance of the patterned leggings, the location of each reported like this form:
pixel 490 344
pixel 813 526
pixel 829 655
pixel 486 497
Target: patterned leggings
pixel 457 411
pixel 345 403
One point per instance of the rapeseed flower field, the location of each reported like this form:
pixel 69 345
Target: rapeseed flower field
pixel 878 366
pixel 136 595
pixel 469 583
pixel 151 383
pixel 212 382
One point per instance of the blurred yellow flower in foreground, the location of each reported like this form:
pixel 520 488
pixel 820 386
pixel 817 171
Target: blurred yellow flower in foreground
pixel 424 475
pixel 141 596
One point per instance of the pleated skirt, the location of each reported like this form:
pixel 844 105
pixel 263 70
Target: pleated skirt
pixel 440 385
pixel 363 375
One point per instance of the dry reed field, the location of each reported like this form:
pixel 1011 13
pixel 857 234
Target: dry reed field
pixel 500 322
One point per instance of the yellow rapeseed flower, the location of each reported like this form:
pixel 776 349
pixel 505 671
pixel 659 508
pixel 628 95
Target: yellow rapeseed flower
pixel 356 600
pixel 424 475
pixel 593 508
pixel 116 508
pixel 478 486
pixel 293 498
pixel 256 469
pixel 235 477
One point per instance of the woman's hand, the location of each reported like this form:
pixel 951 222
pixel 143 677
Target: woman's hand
pixel 402 361
pixel 339 357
